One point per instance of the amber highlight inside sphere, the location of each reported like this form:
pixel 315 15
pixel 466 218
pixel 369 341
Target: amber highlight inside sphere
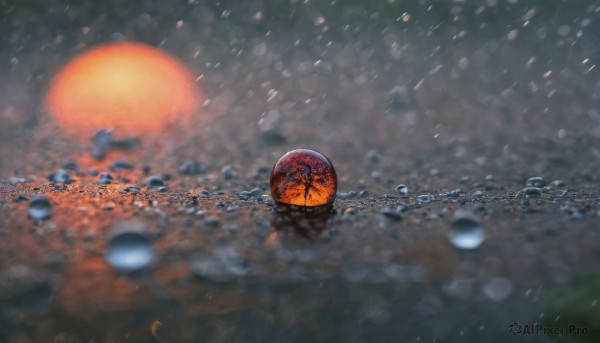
pixel 303 177
pixel 130 87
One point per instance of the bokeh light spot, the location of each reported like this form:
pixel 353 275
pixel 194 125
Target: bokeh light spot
pixel 131 87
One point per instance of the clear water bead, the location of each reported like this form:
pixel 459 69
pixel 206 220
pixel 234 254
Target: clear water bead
pixel 425 198
pixel 402 189
pixel 105 179
pixel 129 248
pixel 40 208
pixel 155 182
pixel 61 176
pixel 530 192
pixel 535 182
pixel 398 98
pixel 467 232
pixel 228 172
pixel 557 184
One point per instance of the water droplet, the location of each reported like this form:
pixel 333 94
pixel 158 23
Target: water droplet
pixel 535 182
pixel 40 208
pixel 529 14
pixel 260 49
pixel 256 192
pixel 61 176
pixel 391 213
pixel 224 265
pixel 376 176
pixel 191 168
pixel 212 222
pixel 70 165
pixel 463 63
pixel 564 30
pixel 130 189
pixel 155 182
pixel 398 98
pixel 460 288
pixel 232 208
pixel 103 138
pixel 117 36
pixel 228 172
pixel 467 232
pixel 130 248
pixel 121 165
pixel 98 153
pixel 15 180
pixel 558 184
pixel 425 198
pixel 374 156
pixel 497 288
pixel 105 179
pixel 269 124
pixel 205 193
pixel 530 192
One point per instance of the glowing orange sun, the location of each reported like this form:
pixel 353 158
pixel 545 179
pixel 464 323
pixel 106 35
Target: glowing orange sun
pixel 131 87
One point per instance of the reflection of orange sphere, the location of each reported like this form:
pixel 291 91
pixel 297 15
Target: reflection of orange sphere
pixel 131 87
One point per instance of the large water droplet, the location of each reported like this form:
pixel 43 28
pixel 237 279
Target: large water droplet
pixel 467 232
pixel 129 248
pixel 39 208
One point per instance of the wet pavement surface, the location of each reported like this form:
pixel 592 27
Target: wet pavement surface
pixel 465 138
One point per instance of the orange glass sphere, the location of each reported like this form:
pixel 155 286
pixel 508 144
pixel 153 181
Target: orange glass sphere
pixel 305 178
pixel 131 87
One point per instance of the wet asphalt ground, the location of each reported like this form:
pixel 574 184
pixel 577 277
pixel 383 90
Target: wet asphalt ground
pixel 462 103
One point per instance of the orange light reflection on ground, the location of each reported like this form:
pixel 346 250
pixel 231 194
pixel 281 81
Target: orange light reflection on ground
pixel 131 87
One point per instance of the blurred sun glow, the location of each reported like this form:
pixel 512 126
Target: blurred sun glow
pixel 131 87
